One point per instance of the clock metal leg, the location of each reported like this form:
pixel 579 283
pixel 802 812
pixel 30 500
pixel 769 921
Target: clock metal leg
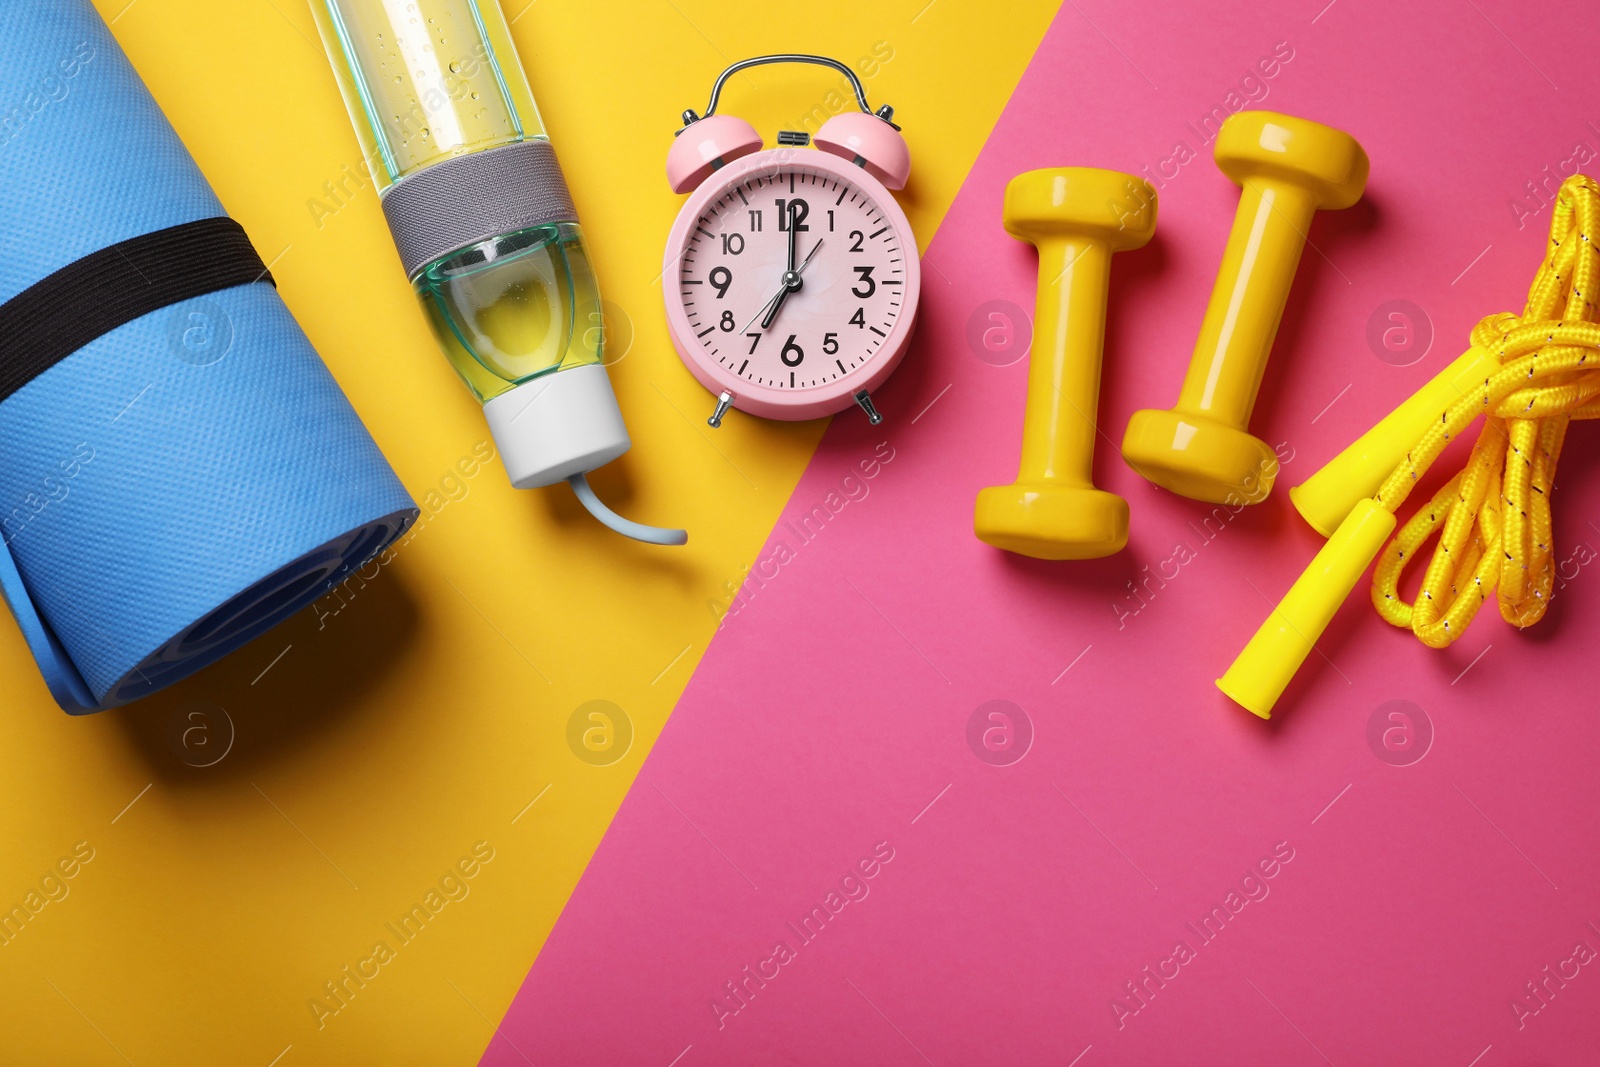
pixel 866 405
pixel 724 402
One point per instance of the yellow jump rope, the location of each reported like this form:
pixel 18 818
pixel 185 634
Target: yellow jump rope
pixel 1493 517
pixel 1528 377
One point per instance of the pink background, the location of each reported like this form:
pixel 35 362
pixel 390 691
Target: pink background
pixel 833 707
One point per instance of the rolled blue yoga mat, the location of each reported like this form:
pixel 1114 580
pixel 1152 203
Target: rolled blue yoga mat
pixel 177 485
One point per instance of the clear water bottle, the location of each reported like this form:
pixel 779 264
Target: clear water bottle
pixel 486 229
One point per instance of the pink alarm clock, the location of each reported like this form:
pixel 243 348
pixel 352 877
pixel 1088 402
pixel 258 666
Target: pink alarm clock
pixel 791 276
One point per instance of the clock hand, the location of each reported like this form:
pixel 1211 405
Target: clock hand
pixel 791 283
pixel 814 250
pixel 780 295
pixel 790 274
pixel 768 312
pixel 776 297
pixel 794 237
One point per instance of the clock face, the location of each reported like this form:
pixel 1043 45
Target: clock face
pixel 793 323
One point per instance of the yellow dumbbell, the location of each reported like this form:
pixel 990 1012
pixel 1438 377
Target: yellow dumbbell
pixel 1288 169
pixel 1077 217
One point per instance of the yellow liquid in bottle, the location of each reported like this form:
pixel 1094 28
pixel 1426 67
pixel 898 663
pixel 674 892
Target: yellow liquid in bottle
pixel 512 308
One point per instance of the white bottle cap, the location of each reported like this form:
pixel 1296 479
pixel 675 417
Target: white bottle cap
pixel 557 425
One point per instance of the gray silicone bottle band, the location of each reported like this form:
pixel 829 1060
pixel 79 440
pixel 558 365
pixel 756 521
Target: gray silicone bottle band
pixel 471 198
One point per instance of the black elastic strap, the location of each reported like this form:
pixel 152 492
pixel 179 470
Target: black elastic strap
pixel 62 312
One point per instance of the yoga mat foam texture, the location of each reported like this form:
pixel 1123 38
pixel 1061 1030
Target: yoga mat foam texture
pixel 187 480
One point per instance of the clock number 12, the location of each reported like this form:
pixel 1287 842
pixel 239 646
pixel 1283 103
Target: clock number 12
pixel 796 208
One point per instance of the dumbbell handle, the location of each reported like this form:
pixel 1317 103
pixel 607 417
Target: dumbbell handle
pixel 1059 425
pixel 1252 287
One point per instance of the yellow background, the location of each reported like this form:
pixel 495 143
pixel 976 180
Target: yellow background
pixel 432 709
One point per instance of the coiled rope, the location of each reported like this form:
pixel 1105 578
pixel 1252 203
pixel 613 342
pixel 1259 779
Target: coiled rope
pixel 1493 517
